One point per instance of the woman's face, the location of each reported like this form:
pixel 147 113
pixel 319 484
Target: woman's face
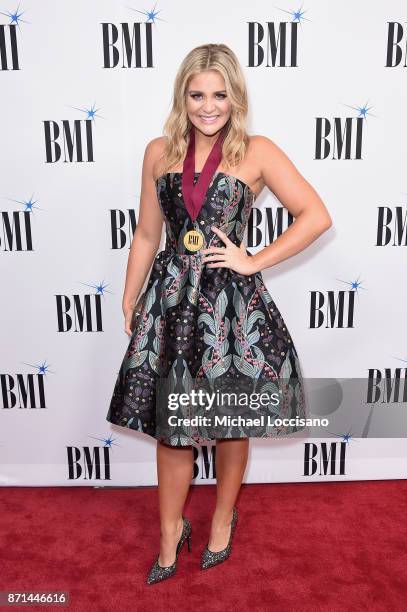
pixel 207 103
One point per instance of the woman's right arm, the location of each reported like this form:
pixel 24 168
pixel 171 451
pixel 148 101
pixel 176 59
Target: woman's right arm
pixel 147 235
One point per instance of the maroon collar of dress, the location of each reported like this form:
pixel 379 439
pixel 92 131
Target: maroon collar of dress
pixel 194 195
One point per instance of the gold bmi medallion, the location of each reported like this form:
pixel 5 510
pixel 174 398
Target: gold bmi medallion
pixel 194 240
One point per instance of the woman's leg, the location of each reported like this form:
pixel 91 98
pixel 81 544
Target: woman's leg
pixel 174 472
pixel 231 461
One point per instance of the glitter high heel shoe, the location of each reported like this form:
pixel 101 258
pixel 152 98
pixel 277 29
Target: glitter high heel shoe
pixel 210 558
pixel 158 573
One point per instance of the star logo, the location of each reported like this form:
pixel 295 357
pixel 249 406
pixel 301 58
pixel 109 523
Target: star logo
pixel 42 368
pixel 362 110
pixel 106 441
pixel 354 285
pixel 91 113
pixel 100 288
pixel 151 14
pixel 29 204
pixel 297 15
pixel 346 437
pixel 15 18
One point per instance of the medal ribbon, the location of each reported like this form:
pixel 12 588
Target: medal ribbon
pixel 194 195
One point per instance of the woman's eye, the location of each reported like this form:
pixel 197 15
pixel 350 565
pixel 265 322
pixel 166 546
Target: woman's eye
pixel 221 96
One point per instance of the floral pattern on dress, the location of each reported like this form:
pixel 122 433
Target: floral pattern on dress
pixel 205 325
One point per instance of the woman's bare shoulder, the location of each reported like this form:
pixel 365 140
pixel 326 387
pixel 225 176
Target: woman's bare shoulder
pixel 263 148
pixel 156 145
pixel 154 154
pixel 259 143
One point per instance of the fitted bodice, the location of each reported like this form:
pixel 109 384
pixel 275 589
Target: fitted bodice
pixel 227 205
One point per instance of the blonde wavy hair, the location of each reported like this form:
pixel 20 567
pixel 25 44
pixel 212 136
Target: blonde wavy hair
pixel 177 126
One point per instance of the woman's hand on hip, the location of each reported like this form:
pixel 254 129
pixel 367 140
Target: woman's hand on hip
pixel 228 256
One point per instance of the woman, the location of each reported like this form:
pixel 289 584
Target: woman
pixel 206 314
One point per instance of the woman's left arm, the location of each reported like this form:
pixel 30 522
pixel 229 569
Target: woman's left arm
pixel 297 195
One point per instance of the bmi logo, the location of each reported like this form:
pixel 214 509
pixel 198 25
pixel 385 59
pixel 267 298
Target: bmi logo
pixel 266 225
pixel 8 40
pixel 341 137
pixel 275 43
pixel 80 313
pixel 17 228
pixel 88 462
pixel 334 309
pixel 122 227
pixel 396 45
pixel 324 459
pixel 391 226
pixel 204 463
pixel 70 140
pixel 24 391
pixel 129 45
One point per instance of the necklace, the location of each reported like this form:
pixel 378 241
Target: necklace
pixel 194 195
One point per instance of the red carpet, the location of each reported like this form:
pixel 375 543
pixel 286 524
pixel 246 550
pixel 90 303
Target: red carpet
pixel 309 546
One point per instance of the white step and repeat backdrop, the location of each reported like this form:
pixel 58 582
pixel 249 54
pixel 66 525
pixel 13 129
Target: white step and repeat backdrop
pixel 84 86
